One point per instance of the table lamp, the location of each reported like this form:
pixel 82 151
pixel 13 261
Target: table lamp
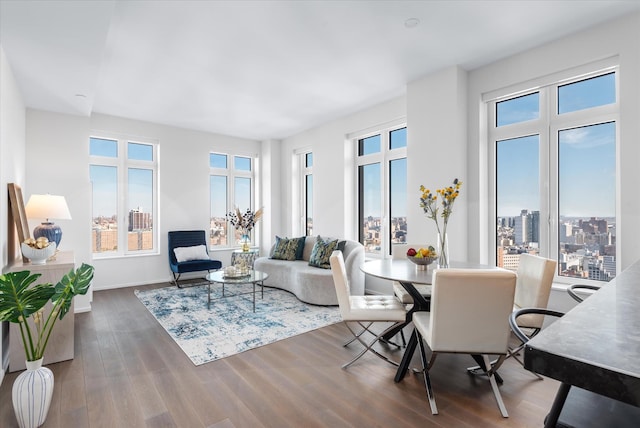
pixel 48 207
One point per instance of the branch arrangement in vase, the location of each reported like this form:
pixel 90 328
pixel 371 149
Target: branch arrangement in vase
pixel 244 222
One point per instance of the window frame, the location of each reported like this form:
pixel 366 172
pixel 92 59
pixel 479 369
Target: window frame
pixel 305 171
pixel 231 174
pixel 384 158
pixel 123 165
pixel 547 126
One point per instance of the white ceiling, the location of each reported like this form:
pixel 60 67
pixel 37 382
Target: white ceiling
pixel 261 69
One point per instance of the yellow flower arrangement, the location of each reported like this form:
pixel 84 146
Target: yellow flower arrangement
pixel 429 204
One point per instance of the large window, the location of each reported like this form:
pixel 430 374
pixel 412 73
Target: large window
pixel 555 175
pixel 231 185
pixel 124 203
pixel 306 160
pixel 382 189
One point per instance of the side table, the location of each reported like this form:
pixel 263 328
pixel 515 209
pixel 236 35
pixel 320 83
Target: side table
pixel 61 342
pixel 248 257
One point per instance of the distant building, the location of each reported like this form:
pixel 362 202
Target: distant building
pixel 139 220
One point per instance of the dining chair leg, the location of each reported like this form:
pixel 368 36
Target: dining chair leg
pixel 513 353
pixel 357 335
pixel 425 372
pixel 383 338
pixel 494 387
pixel 369 346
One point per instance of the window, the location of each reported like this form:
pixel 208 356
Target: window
pixel 231 186
pixel 123 170
pixel 382 189
pixel 307 193
pixel 555 166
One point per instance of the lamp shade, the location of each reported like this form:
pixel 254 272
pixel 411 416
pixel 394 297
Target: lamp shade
pixel 48 207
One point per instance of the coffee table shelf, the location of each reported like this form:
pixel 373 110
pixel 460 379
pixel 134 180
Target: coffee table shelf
pixel 254 277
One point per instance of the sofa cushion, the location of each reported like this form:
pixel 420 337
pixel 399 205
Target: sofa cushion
pixel 288 249
pixel 321 252
pixel 196 252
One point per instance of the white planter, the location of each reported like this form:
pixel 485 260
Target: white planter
pixel 32 392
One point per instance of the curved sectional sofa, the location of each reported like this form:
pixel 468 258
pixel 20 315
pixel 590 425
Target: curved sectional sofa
pixel 312 284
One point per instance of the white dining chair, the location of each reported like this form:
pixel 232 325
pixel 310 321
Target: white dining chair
pixel 364 310
pixel 533 287
pixel 585 290
pixel 469 314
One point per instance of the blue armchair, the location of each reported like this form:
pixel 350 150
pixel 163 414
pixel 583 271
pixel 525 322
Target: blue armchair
pixel 184 239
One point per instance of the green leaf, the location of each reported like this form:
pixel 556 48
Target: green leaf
pixel 72 284
pixel 18 299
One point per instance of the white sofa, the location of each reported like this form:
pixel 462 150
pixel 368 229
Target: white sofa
pixel 309 283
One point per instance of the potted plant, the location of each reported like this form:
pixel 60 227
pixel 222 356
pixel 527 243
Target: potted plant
pixel 23 303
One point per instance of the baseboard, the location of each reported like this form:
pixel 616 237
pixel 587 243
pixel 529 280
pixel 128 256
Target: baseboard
pixel 136 284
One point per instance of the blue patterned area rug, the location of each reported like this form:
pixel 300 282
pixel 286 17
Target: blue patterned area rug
pixel 231 326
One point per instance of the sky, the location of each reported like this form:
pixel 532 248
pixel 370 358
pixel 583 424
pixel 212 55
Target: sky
pixel 218 184
pixel 105 180
pixel 372 177
pixel 586 155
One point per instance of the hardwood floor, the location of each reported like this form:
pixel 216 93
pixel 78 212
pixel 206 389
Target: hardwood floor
pixel 127 372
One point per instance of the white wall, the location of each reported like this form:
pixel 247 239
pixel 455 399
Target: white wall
pixel 333 170
pixel 436 153
pixel 62 142
pixel 270 194
pixel 56 165
pixel 12 170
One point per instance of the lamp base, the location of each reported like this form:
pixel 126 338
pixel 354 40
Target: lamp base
pixel 49 230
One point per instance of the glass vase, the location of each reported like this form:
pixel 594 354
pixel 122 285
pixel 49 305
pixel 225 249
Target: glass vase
pixel 245 243
pixel 443 250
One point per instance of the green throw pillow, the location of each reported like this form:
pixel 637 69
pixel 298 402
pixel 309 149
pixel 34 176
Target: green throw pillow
pixel 287 249
pixel 321 252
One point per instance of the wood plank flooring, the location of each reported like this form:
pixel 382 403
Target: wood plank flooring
pixel 128 372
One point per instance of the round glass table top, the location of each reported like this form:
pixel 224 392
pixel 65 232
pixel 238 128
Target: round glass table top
pixel 252 276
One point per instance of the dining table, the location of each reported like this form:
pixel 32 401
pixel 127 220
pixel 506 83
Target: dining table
pixel 407 274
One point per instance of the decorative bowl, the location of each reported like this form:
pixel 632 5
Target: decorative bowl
pixel 38 256
pixel 421 262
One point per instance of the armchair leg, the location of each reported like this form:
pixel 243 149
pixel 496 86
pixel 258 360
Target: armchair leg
pixel 175 279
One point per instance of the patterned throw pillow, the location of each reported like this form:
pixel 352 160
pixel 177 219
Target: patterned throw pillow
pixel 287 249
pixel 321 252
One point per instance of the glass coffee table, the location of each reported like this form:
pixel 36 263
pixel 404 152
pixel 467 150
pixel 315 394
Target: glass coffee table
pixel 253 277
